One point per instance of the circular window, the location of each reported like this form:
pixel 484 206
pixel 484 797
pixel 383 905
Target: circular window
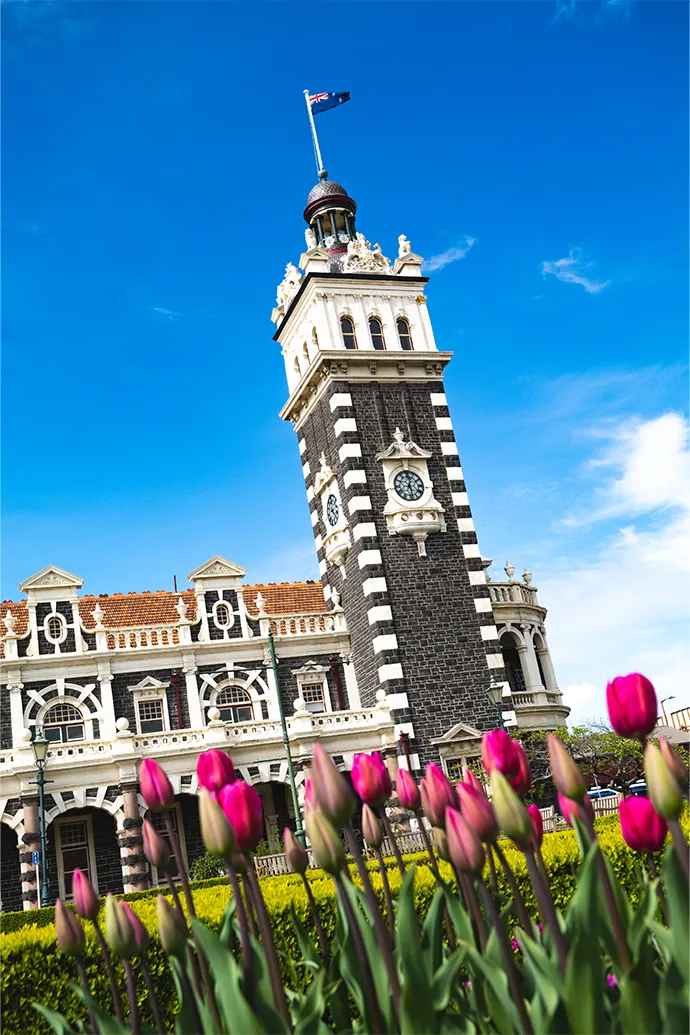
pixel 332 510
pixel 408 485
pixel 55 628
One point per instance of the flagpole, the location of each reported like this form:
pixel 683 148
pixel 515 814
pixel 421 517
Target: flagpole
pixel 319 161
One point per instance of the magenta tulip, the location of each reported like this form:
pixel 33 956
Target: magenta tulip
pixel 141 935
pixel 572 810
pixel 156 789
pixel 498 753
pixel 371 828
pixel 642 827
pixel 537 824
pixel 370 779
pixel 470 780
pixel 632 706
pixel 68 930
pixel 438 794
pixel 478 812
pixel 309 799
pixel 214 769
pixel 156 848
pixel 86 902
pixel 407 790
pixel 464 847
pixel 119 932
pixel 331 790
pixel 523 778
pixel 295 852
pixel 242 806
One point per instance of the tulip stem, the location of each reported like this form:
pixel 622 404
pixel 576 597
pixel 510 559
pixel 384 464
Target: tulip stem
pixel 152 997
pixel 367 979
pixel 473 907
pixel 450 933
pixel 383 816
pixel 268 944
pixel 247 960
pixel 386 892
pixel 508 960
pixel 320 933
pixel 191 998
pixel 193 963
pixel 624 959
pixel 680 844
pixel 81 971
pixel 547 910
pixel 659 889
pixel 492 870
pixel 114 990
pixel 132 996
pixel 249 907
pixel 520 908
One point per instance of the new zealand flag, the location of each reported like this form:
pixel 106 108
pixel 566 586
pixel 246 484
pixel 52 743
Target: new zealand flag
pixel 323 101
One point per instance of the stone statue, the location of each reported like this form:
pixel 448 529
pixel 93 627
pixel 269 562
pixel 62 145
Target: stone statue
pixel 310 238
pixel 379 258
pixel 289 286
pixel 360 257
pixel 404 246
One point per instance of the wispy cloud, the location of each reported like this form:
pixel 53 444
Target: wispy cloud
pixel 44 19
pixel 566 10
pixel 458 251
pixel 170 313
pixel 571 271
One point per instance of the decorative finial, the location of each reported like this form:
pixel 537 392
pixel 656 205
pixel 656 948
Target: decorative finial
pixel 323 174
pixel 181 609
pixel 8 621
pixel 509 570
pixel 98 615
pixel 527 576
pixel 261 604
pixel 399 437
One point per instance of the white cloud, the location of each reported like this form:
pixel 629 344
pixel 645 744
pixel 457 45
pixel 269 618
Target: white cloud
pixel 459 251
pixel 170 313
pixel 570 271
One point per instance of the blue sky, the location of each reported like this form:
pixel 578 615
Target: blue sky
pixel 156 163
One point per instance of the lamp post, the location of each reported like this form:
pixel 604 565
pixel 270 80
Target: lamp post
pixel 40 748
pixel 663 710
pixel 299 830
pixel 494 692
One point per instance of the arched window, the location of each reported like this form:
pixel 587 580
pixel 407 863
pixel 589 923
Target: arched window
pixel 55 628
pixel 376 331
pixel 348 329
pixel 222 615
pixel 404 335
pixel 63 723
pixel 234 704
pixel 511 660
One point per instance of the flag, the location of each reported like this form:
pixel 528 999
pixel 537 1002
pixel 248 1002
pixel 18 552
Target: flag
pixel 323 101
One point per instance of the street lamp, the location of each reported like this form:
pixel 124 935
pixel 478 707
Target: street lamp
pixel 299 830
pixel 494 692
pixel 663 710
pixel 40 746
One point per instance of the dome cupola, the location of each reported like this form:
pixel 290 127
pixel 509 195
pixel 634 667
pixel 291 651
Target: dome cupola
pixel 330 213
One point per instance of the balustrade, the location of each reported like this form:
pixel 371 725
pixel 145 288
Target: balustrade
pixel 512 593
pixel 139 637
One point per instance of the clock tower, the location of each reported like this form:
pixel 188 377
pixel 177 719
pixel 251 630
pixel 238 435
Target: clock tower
pixel 393 529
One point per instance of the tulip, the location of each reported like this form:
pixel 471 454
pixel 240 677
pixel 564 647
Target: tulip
pixel 511 813
pixel 642 827
pixel 68 930
pixel 156 848
pixel 86 901
pixel 371 828
pixel 156 789
pixel 662 786
pixel 325 841
pixel 631 702
pixel 522 780
pixel 437 795
pixel 537 825
pixel 331 790
pixel 571 810
pixel 441 843
pixel 141 935
pixel 675 763
pixel 407 791
pixel 470 780
pixel 370 778
pixel 242 805
pixel 477 812
pixel 214 769
pixel 309 799
pixel 567 776
pixel 172 928
pixel 498 752
pixel 464 847
pixel 216 832
pixel 119 932
pixel 295 852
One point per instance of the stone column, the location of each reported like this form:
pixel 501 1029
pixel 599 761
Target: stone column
pixel 105 678
pixel 354 702
pixel 31 842
pixel 547 666
pixel 135 875
pixel 196 718
pixel 530 669
pixel 15 687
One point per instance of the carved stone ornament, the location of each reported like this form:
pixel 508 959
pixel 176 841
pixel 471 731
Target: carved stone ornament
pixel 404 246
pixel 336 541
pixel 98 614
pixel 361 258
pixel 289 286
pixel 8 621
pixel 411 508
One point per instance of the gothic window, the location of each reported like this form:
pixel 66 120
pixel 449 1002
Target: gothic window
pixel 222 616
pixel 55 629
pixel 312 695
pixel 151 717
pixel 234 704
pixel 404 335
pixel 75 849
pixel 63 723
pixel 376 331
pixel 348 329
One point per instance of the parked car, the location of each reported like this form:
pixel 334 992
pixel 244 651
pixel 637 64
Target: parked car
pixel 639 788
pixel 601 792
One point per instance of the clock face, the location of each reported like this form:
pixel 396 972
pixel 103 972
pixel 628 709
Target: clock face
pixel 332 510
pixel 408 485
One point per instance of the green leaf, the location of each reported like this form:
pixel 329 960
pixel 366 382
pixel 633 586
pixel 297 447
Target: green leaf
pixel 673 1002
pixel 546 975
pixel 185 1021
pixel 640 924
pixel 239 1017
pixel 351 966
pixel 417 1015
pixel 308 1015
pixel 107 1024
pixel 55 1020
pixel 639 1012
pixel 306 945
pixel 432 930
pixel 499 1000
pixel 459 918
pixel 444 979
pixel 676 885
pixel 585 978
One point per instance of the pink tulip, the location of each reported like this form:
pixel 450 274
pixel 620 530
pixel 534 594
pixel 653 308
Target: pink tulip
pixel 214 769
pixel 478 812
pixel 498 752
pixel 537 824
pixel 156 848
pixel 674 762
pixel 464 847
pixel 156 789
pixel 141 935
pixel 643 829
pixel 632 706
pixel 371 828
pixel 86 902
pixel 470 780
pixel 662 786
pixel 309 798
pixel 567 775
pixel 295 852
pixel 407 790
pixel 437 795
pixel 68 930
pixel 331 790
pixel 522 780
pixel 572 810
pixel 370 778
pixel 242 805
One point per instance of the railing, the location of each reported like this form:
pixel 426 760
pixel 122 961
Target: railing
pixel 306 625
pixel 518 699
pixel 548 816
pixel 146 741
pixel 143 636
pixel 266 730
pixel 326 721
pixel 512 593
pixel 680 719
pixel 90 749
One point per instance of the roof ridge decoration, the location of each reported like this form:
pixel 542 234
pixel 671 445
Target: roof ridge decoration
pixel 51 577
pixel 217 567
pixel 399 449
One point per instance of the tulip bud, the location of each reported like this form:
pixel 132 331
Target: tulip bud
pixel 464 847
pixel 156 789
pixel 511 814
pixel 141 935
pixel 567 776
pixel 295 852
pixel 214 769
pixel 571 810
pixel 498 753
pixel 331 791
pixel 239 862
pixel 437 795
pixel 86 901
pixel 68 930
pixel 370 778
pixel 662 786
pixel 642 827
pixel 407 790
pixel 522 780
pixel 675 763
pixel 477 812
pixel 441 843
pixel 470 780
pixel 309 799
pixel 156 848
pixel 326 845
pixel 371 828
pixel 172 928
pixel 216 832
pixel 242 806
pixel 119 932
pixel 537 825
pixel 631 702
